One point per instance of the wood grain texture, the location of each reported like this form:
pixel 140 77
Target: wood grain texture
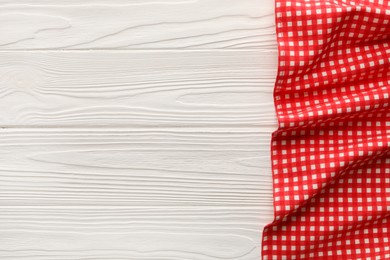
pixel 137 88
pixel 134 193
pixel 140 24
pixel 140 233
pixel 135 129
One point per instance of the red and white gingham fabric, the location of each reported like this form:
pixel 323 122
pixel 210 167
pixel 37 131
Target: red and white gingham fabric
pixel 331 155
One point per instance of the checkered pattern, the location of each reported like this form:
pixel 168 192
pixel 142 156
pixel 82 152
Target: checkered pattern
pixel 331 155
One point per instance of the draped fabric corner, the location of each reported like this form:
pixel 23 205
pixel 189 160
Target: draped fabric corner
pixel 330 154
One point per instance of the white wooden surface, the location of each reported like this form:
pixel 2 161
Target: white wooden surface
pixel 135 129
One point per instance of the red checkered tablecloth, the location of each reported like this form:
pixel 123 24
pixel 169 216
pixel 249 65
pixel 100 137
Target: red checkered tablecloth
pixel 330 154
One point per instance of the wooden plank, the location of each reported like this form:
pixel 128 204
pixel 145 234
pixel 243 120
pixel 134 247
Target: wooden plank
pixel 137 88
pixel 134 193
pixel 120 24
pixel 67 3
pixel 164 233
pixel 95 166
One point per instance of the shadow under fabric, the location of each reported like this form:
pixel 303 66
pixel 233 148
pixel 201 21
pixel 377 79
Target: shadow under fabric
pixel 330 154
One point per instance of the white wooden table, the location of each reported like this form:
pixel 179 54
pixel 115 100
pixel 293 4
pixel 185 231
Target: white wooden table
pixel 135 129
